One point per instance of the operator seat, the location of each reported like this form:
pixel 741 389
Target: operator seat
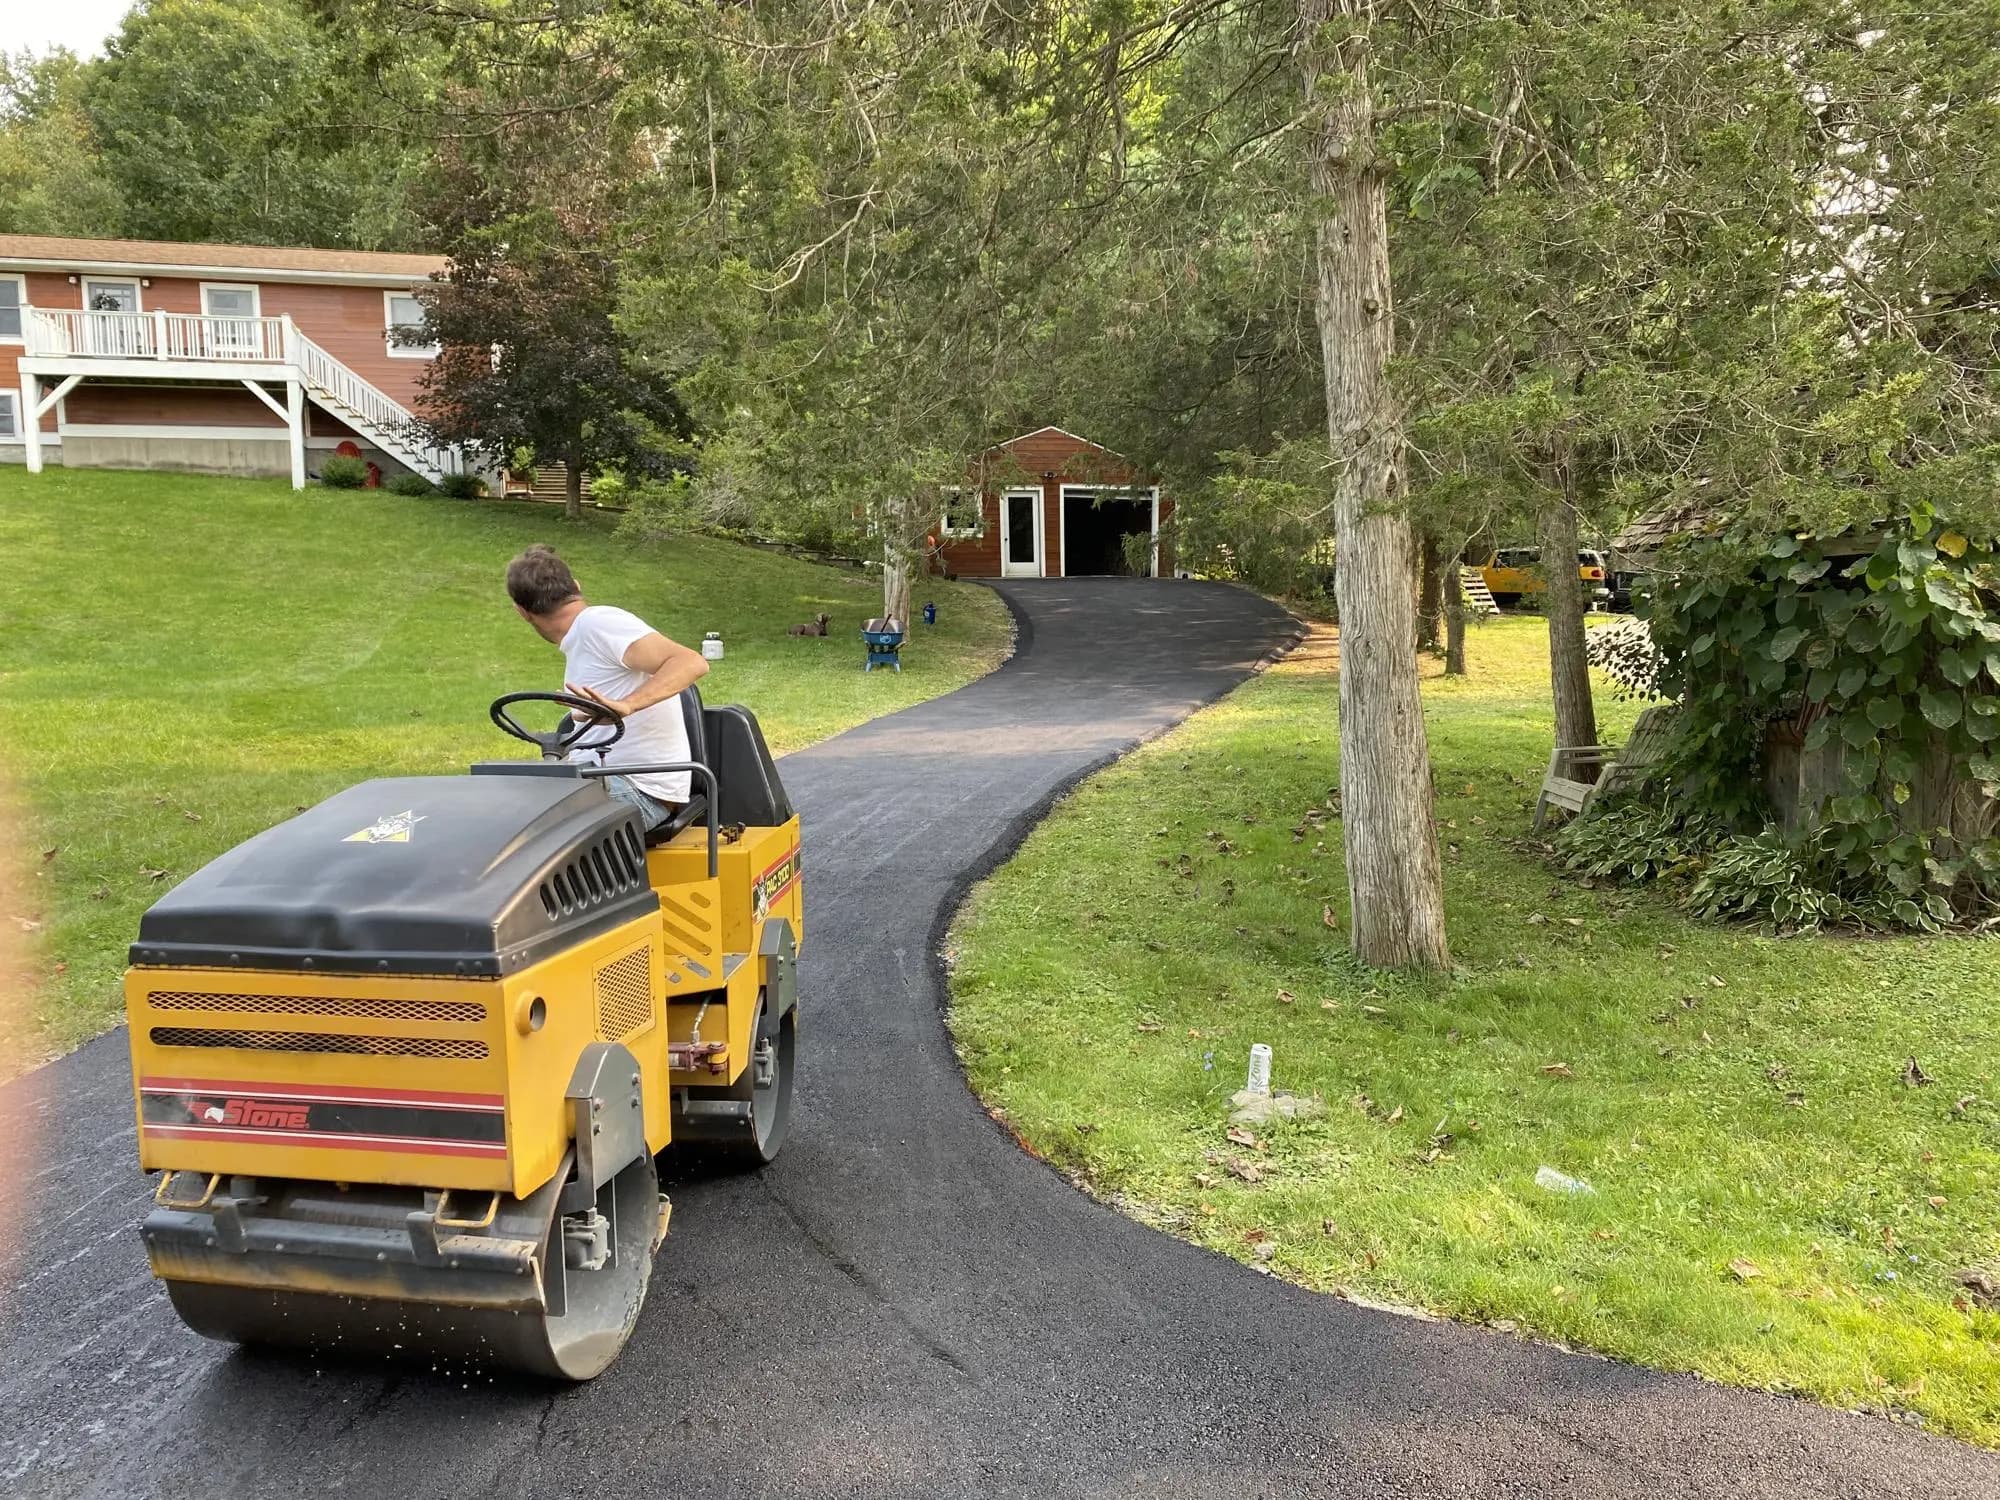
pixel 696 808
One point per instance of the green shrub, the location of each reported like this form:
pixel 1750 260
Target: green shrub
pixel 1800 884
pixel 413 485
pixel 462 486
pixel 1889 662
pixel 1636 841
pixel 342 473
pixel 609 489
pixel 1795 883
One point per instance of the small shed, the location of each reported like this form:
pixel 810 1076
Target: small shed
pixel 1050 504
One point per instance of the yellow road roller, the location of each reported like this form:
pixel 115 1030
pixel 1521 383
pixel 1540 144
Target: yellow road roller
pixel 403 1063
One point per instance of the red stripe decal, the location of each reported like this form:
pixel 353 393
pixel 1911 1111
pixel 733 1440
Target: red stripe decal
pixel 319 1091
pixel 779 863
pixel 329 1140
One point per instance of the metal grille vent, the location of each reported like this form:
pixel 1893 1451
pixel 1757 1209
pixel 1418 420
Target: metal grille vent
pixel 609 868
pixel 625 995
pixel 314 1041
pixel 469 1012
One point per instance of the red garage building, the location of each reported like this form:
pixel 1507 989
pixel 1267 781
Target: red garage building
pixel 1049 504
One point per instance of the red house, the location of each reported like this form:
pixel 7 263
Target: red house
pixel 230 359
pixel 1049 504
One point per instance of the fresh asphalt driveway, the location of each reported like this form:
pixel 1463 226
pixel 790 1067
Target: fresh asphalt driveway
pixel 905 1306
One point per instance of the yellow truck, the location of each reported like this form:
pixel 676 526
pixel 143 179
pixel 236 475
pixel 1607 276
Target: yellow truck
pixel 1515 573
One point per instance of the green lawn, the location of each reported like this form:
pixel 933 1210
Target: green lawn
pixel 187 660
pixel 1732 1097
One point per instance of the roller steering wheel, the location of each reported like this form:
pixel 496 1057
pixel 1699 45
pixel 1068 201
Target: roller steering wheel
pixel 557 743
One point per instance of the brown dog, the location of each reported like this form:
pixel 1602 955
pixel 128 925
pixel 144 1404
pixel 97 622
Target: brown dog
pixel 817 626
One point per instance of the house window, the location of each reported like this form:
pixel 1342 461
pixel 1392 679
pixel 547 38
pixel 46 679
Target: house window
pixel 961 513
pixel 405 314
pixel 110 296
pixel 13 297
pixel 232 310
pixel 10 424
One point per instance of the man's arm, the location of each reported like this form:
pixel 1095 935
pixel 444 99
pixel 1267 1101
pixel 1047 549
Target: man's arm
pixel 671 667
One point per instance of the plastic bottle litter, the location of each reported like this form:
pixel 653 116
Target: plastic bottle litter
pixel 1259 1081
pixel 1561 1182
pixel 711 646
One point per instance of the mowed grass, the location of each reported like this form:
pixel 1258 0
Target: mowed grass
pixel 1732 1097
pixel 187 660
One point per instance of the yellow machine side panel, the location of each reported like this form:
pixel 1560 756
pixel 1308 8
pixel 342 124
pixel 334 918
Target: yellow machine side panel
pixel 335 1077
pixel 691 928
pixel 725 1017
pixel 606 989
pixel 760 877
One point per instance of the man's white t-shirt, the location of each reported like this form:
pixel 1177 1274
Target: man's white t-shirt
pixel 594 657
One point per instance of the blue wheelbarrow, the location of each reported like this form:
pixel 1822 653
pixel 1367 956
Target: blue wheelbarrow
pixel 884 639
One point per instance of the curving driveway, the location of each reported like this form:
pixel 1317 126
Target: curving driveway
pixel 906 1305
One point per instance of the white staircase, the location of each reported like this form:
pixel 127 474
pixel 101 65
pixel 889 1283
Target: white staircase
pixel 1478 598
pixel 381 419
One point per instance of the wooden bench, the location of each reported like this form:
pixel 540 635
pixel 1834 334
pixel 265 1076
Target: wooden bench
pixel 1616 768
pixel 1562 788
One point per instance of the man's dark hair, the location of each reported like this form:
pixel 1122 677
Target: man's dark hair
pixel 540 582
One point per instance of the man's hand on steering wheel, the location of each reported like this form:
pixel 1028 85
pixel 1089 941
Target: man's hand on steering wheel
pixel 622 707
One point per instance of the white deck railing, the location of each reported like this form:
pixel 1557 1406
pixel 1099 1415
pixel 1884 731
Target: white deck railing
pixel 73 333
pixel 193 338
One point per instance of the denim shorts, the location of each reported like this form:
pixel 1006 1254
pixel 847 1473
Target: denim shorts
pixel 652 811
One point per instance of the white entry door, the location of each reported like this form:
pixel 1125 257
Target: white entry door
pixel 1021 534
pixel 112 323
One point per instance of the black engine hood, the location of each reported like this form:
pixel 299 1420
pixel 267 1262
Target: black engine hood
pixel 456 875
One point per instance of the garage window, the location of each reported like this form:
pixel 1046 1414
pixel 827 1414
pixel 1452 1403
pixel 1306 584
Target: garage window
pixel 961 513
pixel 10 421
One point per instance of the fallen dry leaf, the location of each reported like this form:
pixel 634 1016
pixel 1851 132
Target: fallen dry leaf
pixel 1744 1270
pixel 1240 1135
pixel 1965 1103
pixel 1285 997
pixel 49 854
pixel 1204 1180
pixel 1716 980
pixel 1536 919
pixel 1913 1075
pixel 1328 919
pixel 1394 1115
pixel 1935 1201
pixel 152 874
pixel 1249 1171
pixel 1557 1070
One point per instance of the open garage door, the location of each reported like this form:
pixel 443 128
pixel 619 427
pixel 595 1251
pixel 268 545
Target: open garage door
pixel 1109 532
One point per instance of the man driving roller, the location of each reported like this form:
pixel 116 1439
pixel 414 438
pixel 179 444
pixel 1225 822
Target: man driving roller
pixel 614 658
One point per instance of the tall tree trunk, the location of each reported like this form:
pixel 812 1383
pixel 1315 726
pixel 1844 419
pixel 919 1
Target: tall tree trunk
pixel 1569 671
pixel 573 488
pixel 1394 883
pixel 902 523
pixel 1429 592
pixel 896 583
pixel 1454 617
